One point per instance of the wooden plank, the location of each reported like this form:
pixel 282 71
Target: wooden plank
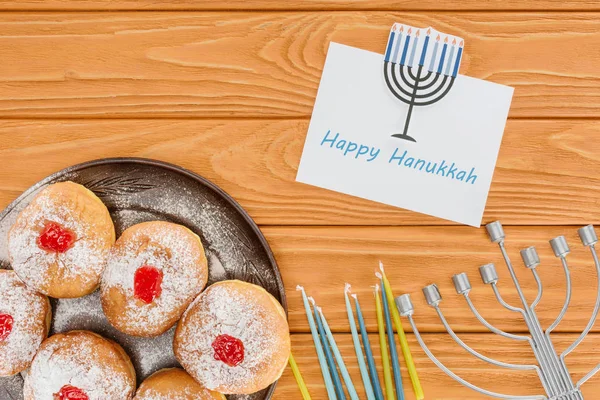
pixel 323 259
pixel 315 5
pixel 220 64
pixel 548 171
pixel 436 384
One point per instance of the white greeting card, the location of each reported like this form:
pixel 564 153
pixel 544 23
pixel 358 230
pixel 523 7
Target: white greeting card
pixel 413 134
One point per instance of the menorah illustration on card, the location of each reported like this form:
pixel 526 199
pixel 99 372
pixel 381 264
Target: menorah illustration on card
pixel 420 67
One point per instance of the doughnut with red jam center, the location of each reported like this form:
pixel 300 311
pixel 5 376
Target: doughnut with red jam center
pixel 234 338
pixel 24 322
pixel 59 243
pixel 80 365
pixel 154 271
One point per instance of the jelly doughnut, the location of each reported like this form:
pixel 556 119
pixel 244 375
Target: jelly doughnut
pixel 234 338
pixel 80 365
pixel 60 242
pixel 24 322
pixel 154 271
pixel 174 384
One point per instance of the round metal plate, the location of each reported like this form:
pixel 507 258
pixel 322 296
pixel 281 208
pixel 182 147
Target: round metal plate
pixel 137 190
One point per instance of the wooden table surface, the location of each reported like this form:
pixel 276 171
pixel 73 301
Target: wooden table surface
pixel 226 89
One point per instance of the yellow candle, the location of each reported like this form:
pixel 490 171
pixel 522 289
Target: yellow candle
pixel 385 359
pixel 410 365
pixel 298 376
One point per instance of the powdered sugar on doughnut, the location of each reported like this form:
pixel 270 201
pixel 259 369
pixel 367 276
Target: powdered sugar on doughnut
pixel 174 252
pixel 226 310
pixel 28 310
pixel 84 260
pixel 78 366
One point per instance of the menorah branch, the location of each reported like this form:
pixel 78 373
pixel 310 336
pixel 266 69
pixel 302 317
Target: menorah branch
pixel 565 307
pixel 491 327
pixel 406 309
pixel 587 237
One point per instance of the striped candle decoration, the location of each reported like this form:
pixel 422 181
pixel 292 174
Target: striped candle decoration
pixel 458 57
pixel 397 47
pixel 450 57
pixel 406 44
pixel 388 51
pixel 443 56
pixel 435 49
pixel 411 61
pixel 424 52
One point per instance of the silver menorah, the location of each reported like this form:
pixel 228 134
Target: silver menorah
pixel 551 368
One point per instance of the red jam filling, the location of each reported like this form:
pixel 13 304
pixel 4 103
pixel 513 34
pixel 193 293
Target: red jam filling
pixel 6 325
pixel 56 238
pixel 147 283
pixel 229 350
pixel 69 392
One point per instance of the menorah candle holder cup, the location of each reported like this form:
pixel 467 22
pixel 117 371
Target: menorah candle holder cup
pixel 550 368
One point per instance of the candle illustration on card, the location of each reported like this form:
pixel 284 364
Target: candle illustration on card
pixel 405 128
pixel 412 83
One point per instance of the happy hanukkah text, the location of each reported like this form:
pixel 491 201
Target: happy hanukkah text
pixel 399 157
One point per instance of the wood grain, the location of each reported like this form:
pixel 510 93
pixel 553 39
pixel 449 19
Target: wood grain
pixel 315 5
pixel 220 64
pixel 323 259
pixel 548 172
pixel 436 384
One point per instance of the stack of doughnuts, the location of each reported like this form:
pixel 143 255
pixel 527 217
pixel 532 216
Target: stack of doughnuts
pixel 232 338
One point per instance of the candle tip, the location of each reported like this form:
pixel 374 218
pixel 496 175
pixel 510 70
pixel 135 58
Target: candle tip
pixel 354 296
pixel 347 288
pixel 429 31
pixel 376 287
pixel 378 275
pixel 319 310
pixel 418 33
pixel 462 43
pixel 446 40
pixel 300 288
pixel 381 267
pixel 409 31
pixel 454 41
pixel 401 28
pixel 312 300
pixel 438 38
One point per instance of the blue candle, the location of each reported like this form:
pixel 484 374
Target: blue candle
pixel 450 57
pixel 318 347
pixel 337 382
pixel 368 352
pixel 388 52
pixel 414 50
pixel 457 62
pixel 405 50
pixel 392 343
pixel 439 71
pixel 435 49
pixel 357 349
pixel 397 48
pixel 339 359
pixel 424 52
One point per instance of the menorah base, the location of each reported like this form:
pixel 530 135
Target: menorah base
pixel 571 394
pixel 404 136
